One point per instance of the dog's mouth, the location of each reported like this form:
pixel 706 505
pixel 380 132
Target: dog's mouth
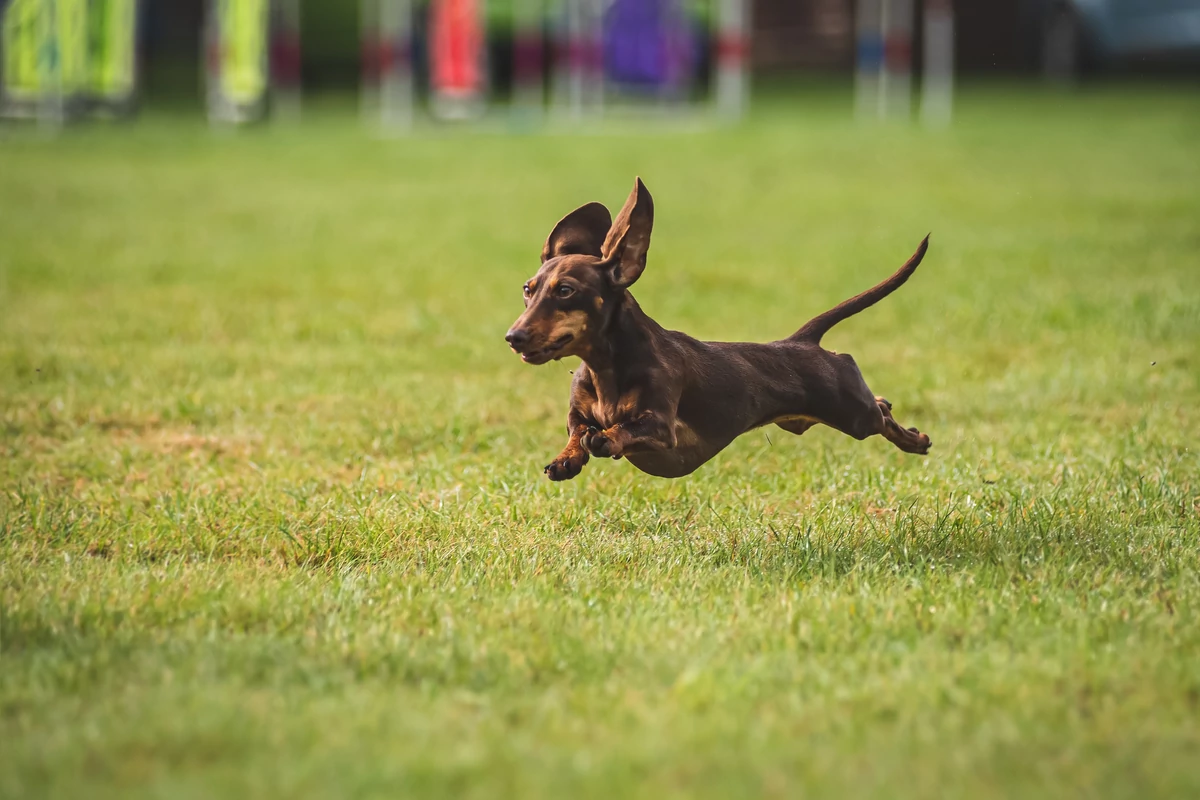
pixel 547 353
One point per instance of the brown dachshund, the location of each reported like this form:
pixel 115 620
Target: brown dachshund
pixel 660 398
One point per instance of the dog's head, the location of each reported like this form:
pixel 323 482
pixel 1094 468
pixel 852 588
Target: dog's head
pixel 588 263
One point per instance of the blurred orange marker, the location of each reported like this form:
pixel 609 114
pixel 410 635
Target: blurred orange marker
pixel 457 59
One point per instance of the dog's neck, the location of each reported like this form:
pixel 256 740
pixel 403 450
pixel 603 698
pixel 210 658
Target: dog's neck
pixel 628 334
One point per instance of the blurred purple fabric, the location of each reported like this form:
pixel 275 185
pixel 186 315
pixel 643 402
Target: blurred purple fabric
pixel 648 44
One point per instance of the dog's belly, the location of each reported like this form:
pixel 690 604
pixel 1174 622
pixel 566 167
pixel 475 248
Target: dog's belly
pixel 688 454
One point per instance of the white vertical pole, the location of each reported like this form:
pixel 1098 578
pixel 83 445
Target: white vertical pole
pixel 896 95
pixel 578 78
pixel 569 67
pixel 395 64
pixel 528 70
pixel 560 70
pixel 732 74
pixel 868 85
pixel 370 45
pixel 52 111
pixel 210 54
pixel 937 83
pixel 593 57
pixel 285 52
pixel 240 43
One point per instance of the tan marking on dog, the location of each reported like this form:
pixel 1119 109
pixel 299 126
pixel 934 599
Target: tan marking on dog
pixel 795 418
pixel 629 403
pixel 599 302
pixel 684 435
pixel 572 322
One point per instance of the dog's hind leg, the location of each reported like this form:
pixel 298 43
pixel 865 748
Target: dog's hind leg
pixel 910 440
pixel 848 405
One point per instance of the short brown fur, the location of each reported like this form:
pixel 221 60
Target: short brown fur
pixel 660 398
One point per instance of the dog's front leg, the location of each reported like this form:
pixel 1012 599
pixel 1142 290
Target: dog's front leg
pixel 649 431
pixel 570 461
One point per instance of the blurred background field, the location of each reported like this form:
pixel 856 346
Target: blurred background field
pixel 272 517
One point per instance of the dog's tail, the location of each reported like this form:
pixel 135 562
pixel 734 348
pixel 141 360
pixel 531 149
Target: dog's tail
pixel 819 325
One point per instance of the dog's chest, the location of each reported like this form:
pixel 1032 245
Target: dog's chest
pixel 614 413
pixel 689 452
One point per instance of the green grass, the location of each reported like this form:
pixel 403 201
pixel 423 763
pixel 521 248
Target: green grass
pixel 272 517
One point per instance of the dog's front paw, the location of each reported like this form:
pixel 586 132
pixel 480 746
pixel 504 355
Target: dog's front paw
pixel 600 444
pixel 565 468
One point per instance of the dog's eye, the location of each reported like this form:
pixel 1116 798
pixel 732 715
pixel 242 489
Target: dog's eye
pixel 564 291
pixel 526 290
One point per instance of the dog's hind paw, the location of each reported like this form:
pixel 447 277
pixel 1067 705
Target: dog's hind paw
pixel 563 469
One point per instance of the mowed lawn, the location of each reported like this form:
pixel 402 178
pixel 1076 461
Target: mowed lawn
pixel 273 521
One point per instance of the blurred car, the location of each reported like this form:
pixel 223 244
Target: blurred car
pixel 1072 35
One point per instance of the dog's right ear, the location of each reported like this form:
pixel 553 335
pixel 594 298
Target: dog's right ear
pixel 581 232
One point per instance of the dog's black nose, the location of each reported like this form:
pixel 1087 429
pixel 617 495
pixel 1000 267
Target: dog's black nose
pixel 517 338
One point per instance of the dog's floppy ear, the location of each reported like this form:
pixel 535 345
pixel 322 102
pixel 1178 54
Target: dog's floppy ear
pixel 628 240
pixel 581 232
